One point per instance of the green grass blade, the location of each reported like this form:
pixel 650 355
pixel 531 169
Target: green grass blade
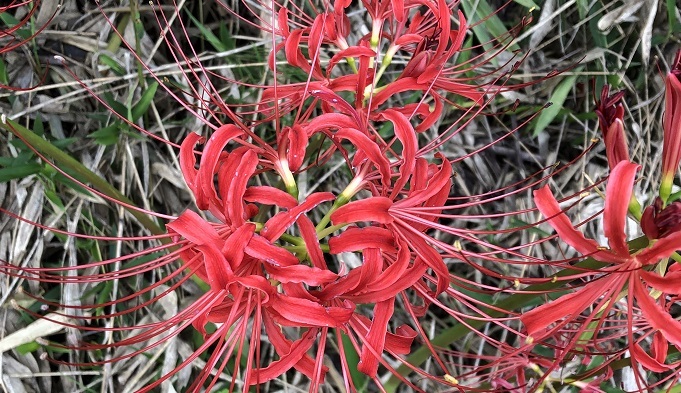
pixel 558 98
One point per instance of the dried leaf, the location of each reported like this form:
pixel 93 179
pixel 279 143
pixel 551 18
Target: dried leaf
pixel 544 25
pixel 649 9
pixel 625 13
pixel 52 323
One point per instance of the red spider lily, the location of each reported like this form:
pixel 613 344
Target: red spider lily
pixel 610 113
pixel 427 39
pixel 626 272
pixel 233 253
pixel 671 149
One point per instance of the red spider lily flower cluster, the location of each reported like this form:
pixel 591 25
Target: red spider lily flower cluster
pixel 273 272
pixel 293 281
pixel 625 290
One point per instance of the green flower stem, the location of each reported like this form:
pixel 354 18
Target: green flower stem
pixel 340 201
pixel 295 240
pixel 513 302
pixel 333 228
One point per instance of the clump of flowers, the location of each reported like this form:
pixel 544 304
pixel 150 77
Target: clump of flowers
pixel 292 281
pixel 305 275
pixel 625 290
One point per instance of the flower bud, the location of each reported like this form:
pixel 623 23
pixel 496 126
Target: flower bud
pixel 671 123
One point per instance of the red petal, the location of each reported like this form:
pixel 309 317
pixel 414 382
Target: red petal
pixel 429 256
pixel 233 248
pixel 267 195
pixel 309 235
pixel 641 357
pixel 368 147
pixel 353 51
pixel 548 206
pixel 406 134
pixel 375 340
pixel 371 209
pixel 301 274
pixel 277 225
pixel 431 115
pixel 282 346
pixel 396 278
pixel 398 9
pixel 301 312
pixel 460 34
pixel 233 178
pixel 337 102
pixel 662 248
pixel 193 228
pixel 355 239
pixel 397 343
pixel 668 284
pixel 538 320
pixel 435 185
pixel 297 142
pixel 617 197
pixel 656 316
pixel 372 265
pixel 296 352
pixel 188 167
pixel 329 121
pixel 211 156
pixel 262 249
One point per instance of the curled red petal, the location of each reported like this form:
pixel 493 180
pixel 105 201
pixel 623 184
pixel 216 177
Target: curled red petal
pixel 430 257
pixel 301 274
pixel 353 51
pixel 617 196
pixel 328 121
pixel 188 167
pixel 656 316
pixel 370 148
pixel 282 346
pixel 210 157
pixel 267 195
pixel 277 225
pixel 646 361
pixel 371 209
pixel 662 248
pixel 669 284
pixel 354 239
pixel 435 185
pixel 296 352
pixel 375 340
pixel 233 179
pixel 193 228
pixel 297 142
pixel 262 249
pixel 309 235
pixel 299 312
pixel 548 206
pixel 234 246
pixel 407 136
pixel 539 319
